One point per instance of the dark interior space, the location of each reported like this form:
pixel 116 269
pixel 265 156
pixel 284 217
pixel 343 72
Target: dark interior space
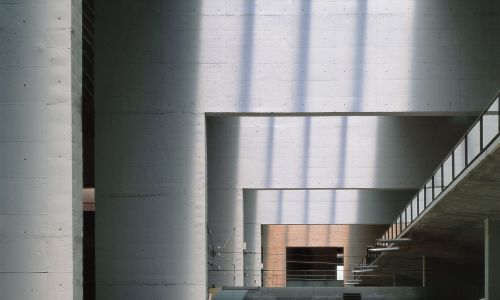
pixel 88 255
pixel 88 92
pixel 313 265
pixel 88 145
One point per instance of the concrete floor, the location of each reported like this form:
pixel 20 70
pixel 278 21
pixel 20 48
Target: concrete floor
pixel 366 293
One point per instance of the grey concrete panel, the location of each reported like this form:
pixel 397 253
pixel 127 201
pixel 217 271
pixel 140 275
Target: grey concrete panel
pixel 24 190
pixel 29 286
pixel 368 57
pixel 373 56
pixel 34 255
pixel 40 177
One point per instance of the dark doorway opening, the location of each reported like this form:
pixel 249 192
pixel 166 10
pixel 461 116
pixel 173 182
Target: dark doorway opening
pixel 314 266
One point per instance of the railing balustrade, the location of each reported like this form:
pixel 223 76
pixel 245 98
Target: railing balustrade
pixel 483 132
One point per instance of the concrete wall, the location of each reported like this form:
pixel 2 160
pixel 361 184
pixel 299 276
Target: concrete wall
pixel 161 65
pixel 40 150
pixel 316 152
pixel 319 56
pixel 343 56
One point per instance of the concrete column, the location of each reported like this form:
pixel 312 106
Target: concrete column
pixel 252 260
pixel 40 150
pixel 492 259
pixel 150 152
pixel 150 207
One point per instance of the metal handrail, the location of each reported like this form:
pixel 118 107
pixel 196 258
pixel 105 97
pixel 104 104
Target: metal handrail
pixel 463 141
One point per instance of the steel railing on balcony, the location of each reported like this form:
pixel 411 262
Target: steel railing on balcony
pixel 484 131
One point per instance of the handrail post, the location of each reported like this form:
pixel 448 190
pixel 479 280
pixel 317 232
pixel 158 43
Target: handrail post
pixel 466 152
pixel 481 146
pixel 442 178
pixel 411 210
pixel 425 197
pixel 405 219
pixel 433 196
pixel 402 219
pixel 452 166
pixel 418 202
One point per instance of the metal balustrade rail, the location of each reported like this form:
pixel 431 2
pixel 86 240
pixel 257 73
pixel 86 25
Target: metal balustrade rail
pixel 484 131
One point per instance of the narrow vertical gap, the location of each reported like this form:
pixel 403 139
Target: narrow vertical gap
pixel 88 20
pixel 88 255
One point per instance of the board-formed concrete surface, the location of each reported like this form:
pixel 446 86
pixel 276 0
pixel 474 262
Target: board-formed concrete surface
pixel 161 66
pixel 40 150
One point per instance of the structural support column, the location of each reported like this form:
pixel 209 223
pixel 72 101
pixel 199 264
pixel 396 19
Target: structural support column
pixel 40 150
pixel 150 152
pixel 492 259
pixel 150 207
pixel 423 271
pixel 252 260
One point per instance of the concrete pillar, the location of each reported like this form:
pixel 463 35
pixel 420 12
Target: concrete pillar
pixel 150 207
pixel 150 152
pixel 252 260
pixel 40 150
pixel 492 259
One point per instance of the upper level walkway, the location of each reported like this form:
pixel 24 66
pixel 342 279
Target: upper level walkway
pixel 444 221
